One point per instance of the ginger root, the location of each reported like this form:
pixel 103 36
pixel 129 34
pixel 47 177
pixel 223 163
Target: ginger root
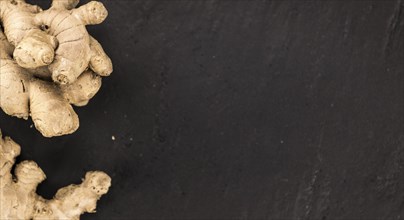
pixel 48 61
pixel 49 104
pixel 18 199
pixel 56 38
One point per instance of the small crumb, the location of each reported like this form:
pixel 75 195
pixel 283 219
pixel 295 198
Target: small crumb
pixel 31 126
pixel 131 139
pixel 113 138
pixel 282 142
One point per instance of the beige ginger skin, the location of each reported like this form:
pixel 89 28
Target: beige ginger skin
pixel 49 104
pixel 18 199
pixel 56 38
pixel 49 62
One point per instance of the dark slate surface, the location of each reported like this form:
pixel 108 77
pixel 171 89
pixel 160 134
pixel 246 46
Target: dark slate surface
pixel 241 110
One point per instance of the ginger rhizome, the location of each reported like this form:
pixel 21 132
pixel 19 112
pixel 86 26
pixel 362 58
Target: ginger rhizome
pixel 48 61
pixel 56 38
pixel 18 199
pixel 49 104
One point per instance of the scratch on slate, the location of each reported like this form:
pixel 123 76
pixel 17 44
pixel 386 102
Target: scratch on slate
pixel 319 155
pixel 307 198
pixel 347 26
pixel 393 25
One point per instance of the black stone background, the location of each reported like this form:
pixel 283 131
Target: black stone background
pixel 240 110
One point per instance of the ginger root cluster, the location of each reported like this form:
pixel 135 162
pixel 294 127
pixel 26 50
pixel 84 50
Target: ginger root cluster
pixel 48 62
pixel 18 199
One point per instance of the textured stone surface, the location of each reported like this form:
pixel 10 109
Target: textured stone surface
pixel 241 110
